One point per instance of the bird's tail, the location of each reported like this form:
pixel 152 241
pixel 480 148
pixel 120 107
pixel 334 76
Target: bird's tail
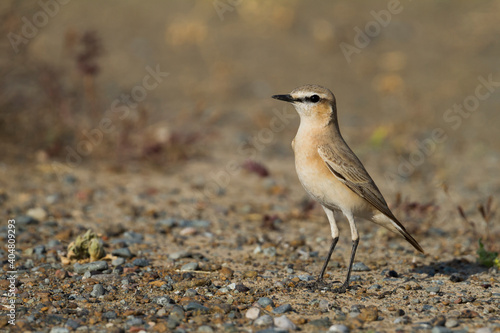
pixel 395 226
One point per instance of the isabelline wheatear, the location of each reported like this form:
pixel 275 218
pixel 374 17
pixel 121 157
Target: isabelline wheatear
pixel 332 174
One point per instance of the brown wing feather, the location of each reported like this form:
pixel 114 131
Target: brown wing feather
pixel 346 166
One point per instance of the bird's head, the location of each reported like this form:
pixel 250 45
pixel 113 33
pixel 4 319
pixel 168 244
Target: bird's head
pixel 312 102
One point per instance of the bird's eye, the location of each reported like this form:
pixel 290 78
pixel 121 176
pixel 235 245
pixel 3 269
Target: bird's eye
pixel 314 98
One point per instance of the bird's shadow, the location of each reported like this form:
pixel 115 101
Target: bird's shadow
pixel 457 269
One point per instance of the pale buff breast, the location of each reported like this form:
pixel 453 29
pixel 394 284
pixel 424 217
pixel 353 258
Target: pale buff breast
pixel 319 181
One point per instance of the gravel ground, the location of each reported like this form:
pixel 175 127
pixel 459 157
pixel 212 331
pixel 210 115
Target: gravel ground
pixel 238 270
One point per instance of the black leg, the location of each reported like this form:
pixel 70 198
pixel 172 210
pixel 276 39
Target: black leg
pixel 343 288
pixel 332 247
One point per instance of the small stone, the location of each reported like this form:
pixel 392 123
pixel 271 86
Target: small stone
pixel 433 289
pixel 97 290
pixel 252 313
pixel 179 255
pixel 191 266
pixel 322 322
pixel 265 301
pixel 26 220
pixel 360 267
pixel 190 293
pixel 162 300
pixel 241 288
pixel 370 313
pixel 441 329
pixel 264 320
pixel 451 323
pixel 284 323
pixel 282 309
pixel 338 329
pixel 402 320
pixel 73 324
pixel 483 330
pixel 117 261
pixel 250 274
pixel 205 329
pixel 226 273
pixel 324 305
pixel 392 274
pixel 90 267
pixel 59 330
pixel 140 262
pixel 110 315
pixel 123 252
pixel 37 213
pixel 306 277
pixel 269 251
pixel 61 274
pixel 196 307
pixel 438 321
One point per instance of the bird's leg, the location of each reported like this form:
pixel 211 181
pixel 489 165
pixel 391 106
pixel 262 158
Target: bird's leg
pixel 355 242
pixel 332 247
pixel 335 238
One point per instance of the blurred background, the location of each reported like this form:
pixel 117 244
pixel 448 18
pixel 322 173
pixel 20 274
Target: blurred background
pixel 85 83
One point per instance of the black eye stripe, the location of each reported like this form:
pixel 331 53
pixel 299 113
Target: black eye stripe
pixel 312 99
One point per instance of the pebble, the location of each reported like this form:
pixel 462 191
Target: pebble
pixel 205 329
pixel 59 330
pixel 110 315
pixel 270 251
pixel 226 273
pixel 433 289
pixel 306 277
pixel 191 266
pixel 265 301
pixel 97 290
pixel 483 330
pixel 322 322
pixel 282 309
pixel 26 220
pixel 338 328
pixel 123 252
pixel 402 320
pixel 140 262
pixel 162 300
pixel 252 313
pixel 360 267
pixel 284 323
pixel 179 255
pixel 117 261
pixel 451 323
pixel 370 313
pixel 264 320
pixel 90 267
pixel 441 329
pixel 197 307
pixel 37 213
pixel 73 324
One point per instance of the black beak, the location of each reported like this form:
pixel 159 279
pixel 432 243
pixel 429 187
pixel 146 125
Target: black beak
pixel 286 98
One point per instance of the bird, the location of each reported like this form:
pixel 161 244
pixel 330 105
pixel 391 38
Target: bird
pixel 332 174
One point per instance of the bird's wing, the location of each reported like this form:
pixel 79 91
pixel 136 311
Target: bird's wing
pixel 349 170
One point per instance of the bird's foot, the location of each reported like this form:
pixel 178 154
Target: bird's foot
pixel 320 284
pixel 340 290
